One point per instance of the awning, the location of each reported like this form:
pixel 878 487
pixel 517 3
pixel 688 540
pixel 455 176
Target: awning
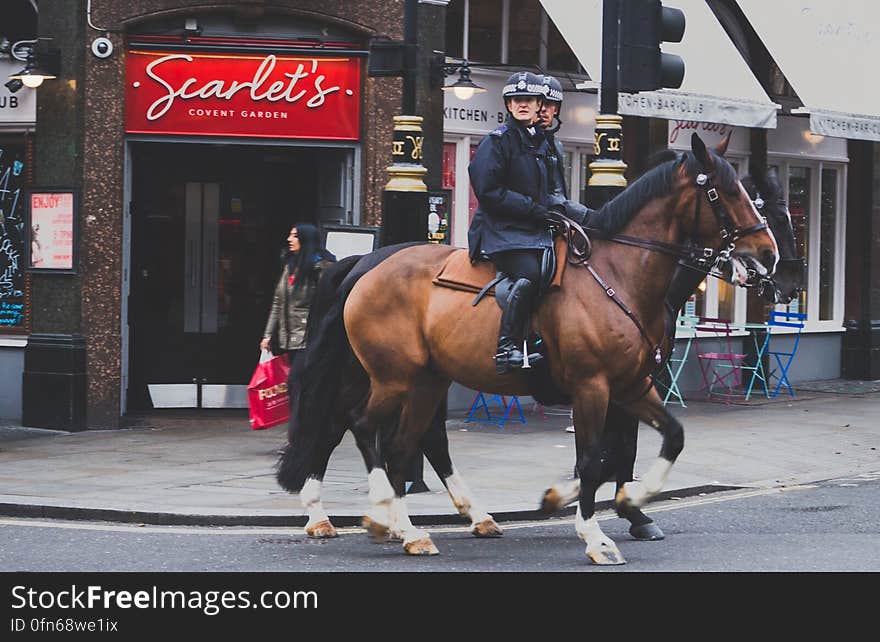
pixel 829 52
pixel 718 86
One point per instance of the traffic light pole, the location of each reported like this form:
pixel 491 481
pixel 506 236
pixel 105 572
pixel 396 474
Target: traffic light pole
pixel 405 196
pixel 607 171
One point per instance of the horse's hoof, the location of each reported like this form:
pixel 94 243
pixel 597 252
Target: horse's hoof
pixel 551 502
pixel 606 557
pixel 649 532
pixel 321 530
pixel 423 546
pixel 379 532
pixel 487 528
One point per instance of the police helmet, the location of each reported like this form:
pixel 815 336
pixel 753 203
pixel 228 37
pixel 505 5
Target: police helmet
pixel 552 89
pixel 523 83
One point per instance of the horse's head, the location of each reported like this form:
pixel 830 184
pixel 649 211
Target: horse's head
pixel 744 235
pixel 787 281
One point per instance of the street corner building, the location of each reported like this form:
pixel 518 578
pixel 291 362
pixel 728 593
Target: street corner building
pixel 148 183
pixel 185 138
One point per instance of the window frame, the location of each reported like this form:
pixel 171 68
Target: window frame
pixel 504 54
pixel 784 162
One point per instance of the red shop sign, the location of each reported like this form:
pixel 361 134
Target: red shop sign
pixel 242 95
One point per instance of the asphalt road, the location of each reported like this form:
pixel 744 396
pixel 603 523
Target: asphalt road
pixel 826 527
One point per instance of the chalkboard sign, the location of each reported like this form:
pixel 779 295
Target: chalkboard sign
pixel 12 206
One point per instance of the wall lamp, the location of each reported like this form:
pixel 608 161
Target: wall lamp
pixel 40 65
pixel 463 88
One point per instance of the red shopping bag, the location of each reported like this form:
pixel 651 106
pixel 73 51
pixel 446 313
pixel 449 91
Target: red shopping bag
pixel 268 396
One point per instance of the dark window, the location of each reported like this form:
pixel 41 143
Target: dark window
pixel 524 43
pixel 19 21
pixel 484 38
pixel 454 28
pixel 524 39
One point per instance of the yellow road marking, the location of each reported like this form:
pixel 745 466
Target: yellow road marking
pixel 262 531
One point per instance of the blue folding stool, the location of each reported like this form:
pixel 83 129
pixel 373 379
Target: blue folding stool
pixel 674 366
pixel 785 320
pixel 760 351
pixel 480 402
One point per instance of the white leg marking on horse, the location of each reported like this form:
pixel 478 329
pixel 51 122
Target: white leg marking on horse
pixel 568 491
pixel 656 475
pixel 408 532
pixel 310 497
pixel 639 492
pixel 396 532
pixel 380 488
pixel 600 548
pixel 381 494
pixel 464 500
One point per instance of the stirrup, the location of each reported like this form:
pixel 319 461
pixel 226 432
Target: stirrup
pixel 513 359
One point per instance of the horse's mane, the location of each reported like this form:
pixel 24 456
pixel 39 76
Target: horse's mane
pixel 766 184
pixel 657 181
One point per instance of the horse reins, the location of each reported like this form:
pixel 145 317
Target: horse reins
pixel 689 253
pixel 582 257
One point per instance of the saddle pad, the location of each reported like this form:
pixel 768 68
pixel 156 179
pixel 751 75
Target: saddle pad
pixel 459 273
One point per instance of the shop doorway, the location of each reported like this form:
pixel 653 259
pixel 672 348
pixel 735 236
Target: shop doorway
pixel 208 228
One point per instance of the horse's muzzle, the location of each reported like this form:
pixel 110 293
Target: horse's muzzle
pixel 768 260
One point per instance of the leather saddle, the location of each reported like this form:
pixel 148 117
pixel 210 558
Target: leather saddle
pixel 458 273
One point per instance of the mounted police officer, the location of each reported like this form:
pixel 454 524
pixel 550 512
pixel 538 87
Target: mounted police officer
pixel 551 110
pixel 509 175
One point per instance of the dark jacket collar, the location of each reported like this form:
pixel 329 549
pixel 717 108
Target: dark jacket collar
pixel 532 136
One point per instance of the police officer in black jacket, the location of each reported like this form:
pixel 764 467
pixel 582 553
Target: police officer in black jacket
pixel 509 176
pixel 553 96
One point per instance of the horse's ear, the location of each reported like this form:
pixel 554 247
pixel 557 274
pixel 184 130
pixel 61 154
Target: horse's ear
pixel 700 151
pixel 773 184
pixel 721 148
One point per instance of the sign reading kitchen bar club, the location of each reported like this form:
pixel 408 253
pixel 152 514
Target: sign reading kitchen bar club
pixel 279 96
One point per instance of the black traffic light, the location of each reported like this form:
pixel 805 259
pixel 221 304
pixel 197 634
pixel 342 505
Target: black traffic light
pixel 644 25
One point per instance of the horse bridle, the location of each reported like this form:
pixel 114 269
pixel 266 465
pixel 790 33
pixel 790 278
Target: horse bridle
pixel 764 281
pixel 729 233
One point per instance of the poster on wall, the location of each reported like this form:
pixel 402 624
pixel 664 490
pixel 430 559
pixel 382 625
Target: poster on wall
pixel 12 176
pixel 51 226
pixel 438 216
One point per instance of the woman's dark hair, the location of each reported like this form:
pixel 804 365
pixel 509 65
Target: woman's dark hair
pixel 310 252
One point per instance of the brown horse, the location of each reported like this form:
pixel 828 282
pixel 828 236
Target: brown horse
pixel 411 338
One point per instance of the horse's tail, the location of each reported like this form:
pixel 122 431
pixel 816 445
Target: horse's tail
pixel 327 356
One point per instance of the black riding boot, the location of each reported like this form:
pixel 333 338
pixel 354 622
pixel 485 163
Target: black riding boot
pixel 514 318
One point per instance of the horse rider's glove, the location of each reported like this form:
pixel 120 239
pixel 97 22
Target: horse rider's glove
pixel 540 213
pixel 577 212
